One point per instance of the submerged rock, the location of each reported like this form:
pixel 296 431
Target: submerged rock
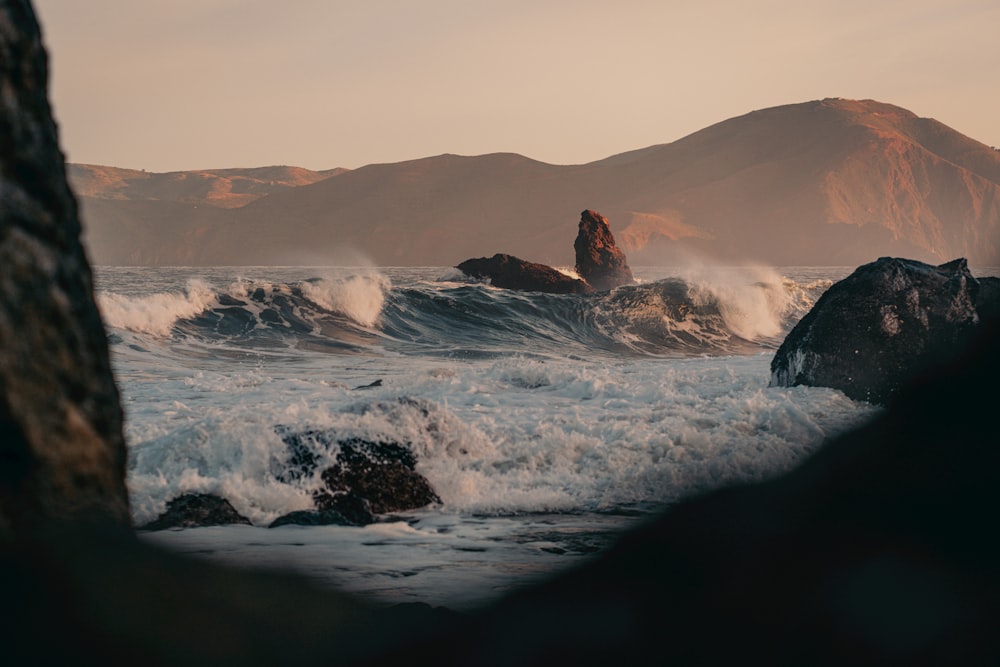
pixel 877 328
pixel 192 510
pixel 511 272
pixel 598 260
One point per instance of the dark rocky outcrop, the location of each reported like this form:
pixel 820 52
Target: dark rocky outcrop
pixel 366 478
pixel 62 453
pixel 196 509
pixel 341 509
pixel 874 330
pixel 510 272
pixel 598 260
pixel 380 472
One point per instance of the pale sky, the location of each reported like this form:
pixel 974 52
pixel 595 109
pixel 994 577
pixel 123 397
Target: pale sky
pixel 192 84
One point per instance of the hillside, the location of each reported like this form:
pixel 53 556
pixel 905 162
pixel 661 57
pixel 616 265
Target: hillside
pixel 225 188
pixel 831 182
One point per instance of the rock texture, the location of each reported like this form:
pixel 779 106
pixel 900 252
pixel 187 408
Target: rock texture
pixel 874 330
pixel 197 509
pixel 598 259
pixel 62 454
pixel 366 477
pixel 512 273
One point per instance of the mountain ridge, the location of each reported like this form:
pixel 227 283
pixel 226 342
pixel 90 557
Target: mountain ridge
pixel 829 181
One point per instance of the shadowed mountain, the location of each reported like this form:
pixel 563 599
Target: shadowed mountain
pixel 831 182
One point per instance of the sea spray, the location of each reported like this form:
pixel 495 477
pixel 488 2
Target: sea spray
pixel 358 296
pixel 155 313
pixel 752 300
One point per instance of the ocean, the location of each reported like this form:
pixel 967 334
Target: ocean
pixel 547 424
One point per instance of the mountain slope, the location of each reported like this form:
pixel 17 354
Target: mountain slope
pixel 825 182
pixel 225 188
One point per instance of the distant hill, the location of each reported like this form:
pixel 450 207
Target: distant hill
pixel 225 188
pixel 831 182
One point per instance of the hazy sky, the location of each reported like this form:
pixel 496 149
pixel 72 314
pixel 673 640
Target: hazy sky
pixel 188 84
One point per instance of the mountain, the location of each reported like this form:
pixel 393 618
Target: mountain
pixel 830 182
pixel 224 188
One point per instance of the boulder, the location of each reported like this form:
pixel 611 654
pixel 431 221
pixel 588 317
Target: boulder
pixel 598 260
pixel 192 510
pixel 380 472
pixel 877 328
pixel 341 509
pixel 366 478
pixel 62 452
pixel 510 272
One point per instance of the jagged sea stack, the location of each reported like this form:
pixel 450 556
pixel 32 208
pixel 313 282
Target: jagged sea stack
pixel 598 259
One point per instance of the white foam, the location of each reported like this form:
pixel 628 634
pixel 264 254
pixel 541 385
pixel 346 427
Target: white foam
pixel 753 300
pixel 360 296
pixel 155 313
pixel 514 435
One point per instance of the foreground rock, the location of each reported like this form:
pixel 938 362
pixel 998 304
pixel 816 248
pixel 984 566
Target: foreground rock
pixel 874 330
pixel 62 453
pixel 510 272
pixel 598 260
pixel 192 510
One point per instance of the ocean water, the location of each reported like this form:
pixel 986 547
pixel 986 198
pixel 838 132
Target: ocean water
pixel 547 424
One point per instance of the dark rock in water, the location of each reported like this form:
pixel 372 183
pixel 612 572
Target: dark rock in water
pixel 376 383
pixel 355 509
pixel 598 260
pixel 342 509
pixel 62 453
pixel 877 328
pixel 196 509
pixel 379 474
pixel 512 273
pixel 313 518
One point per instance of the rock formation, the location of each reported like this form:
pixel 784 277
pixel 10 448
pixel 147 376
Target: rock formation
pixel 61 443
pixel 197 509
pixel 874 330
pixel 513 273
pixel 598 259
pixel 366 478
pixel 599 262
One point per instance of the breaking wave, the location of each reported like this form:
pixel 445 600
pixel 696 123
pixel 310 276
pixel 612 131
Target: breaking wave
pixel 682 315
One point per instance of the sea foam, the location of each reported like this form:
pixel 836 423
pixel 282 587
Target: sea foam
pixel 155 313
